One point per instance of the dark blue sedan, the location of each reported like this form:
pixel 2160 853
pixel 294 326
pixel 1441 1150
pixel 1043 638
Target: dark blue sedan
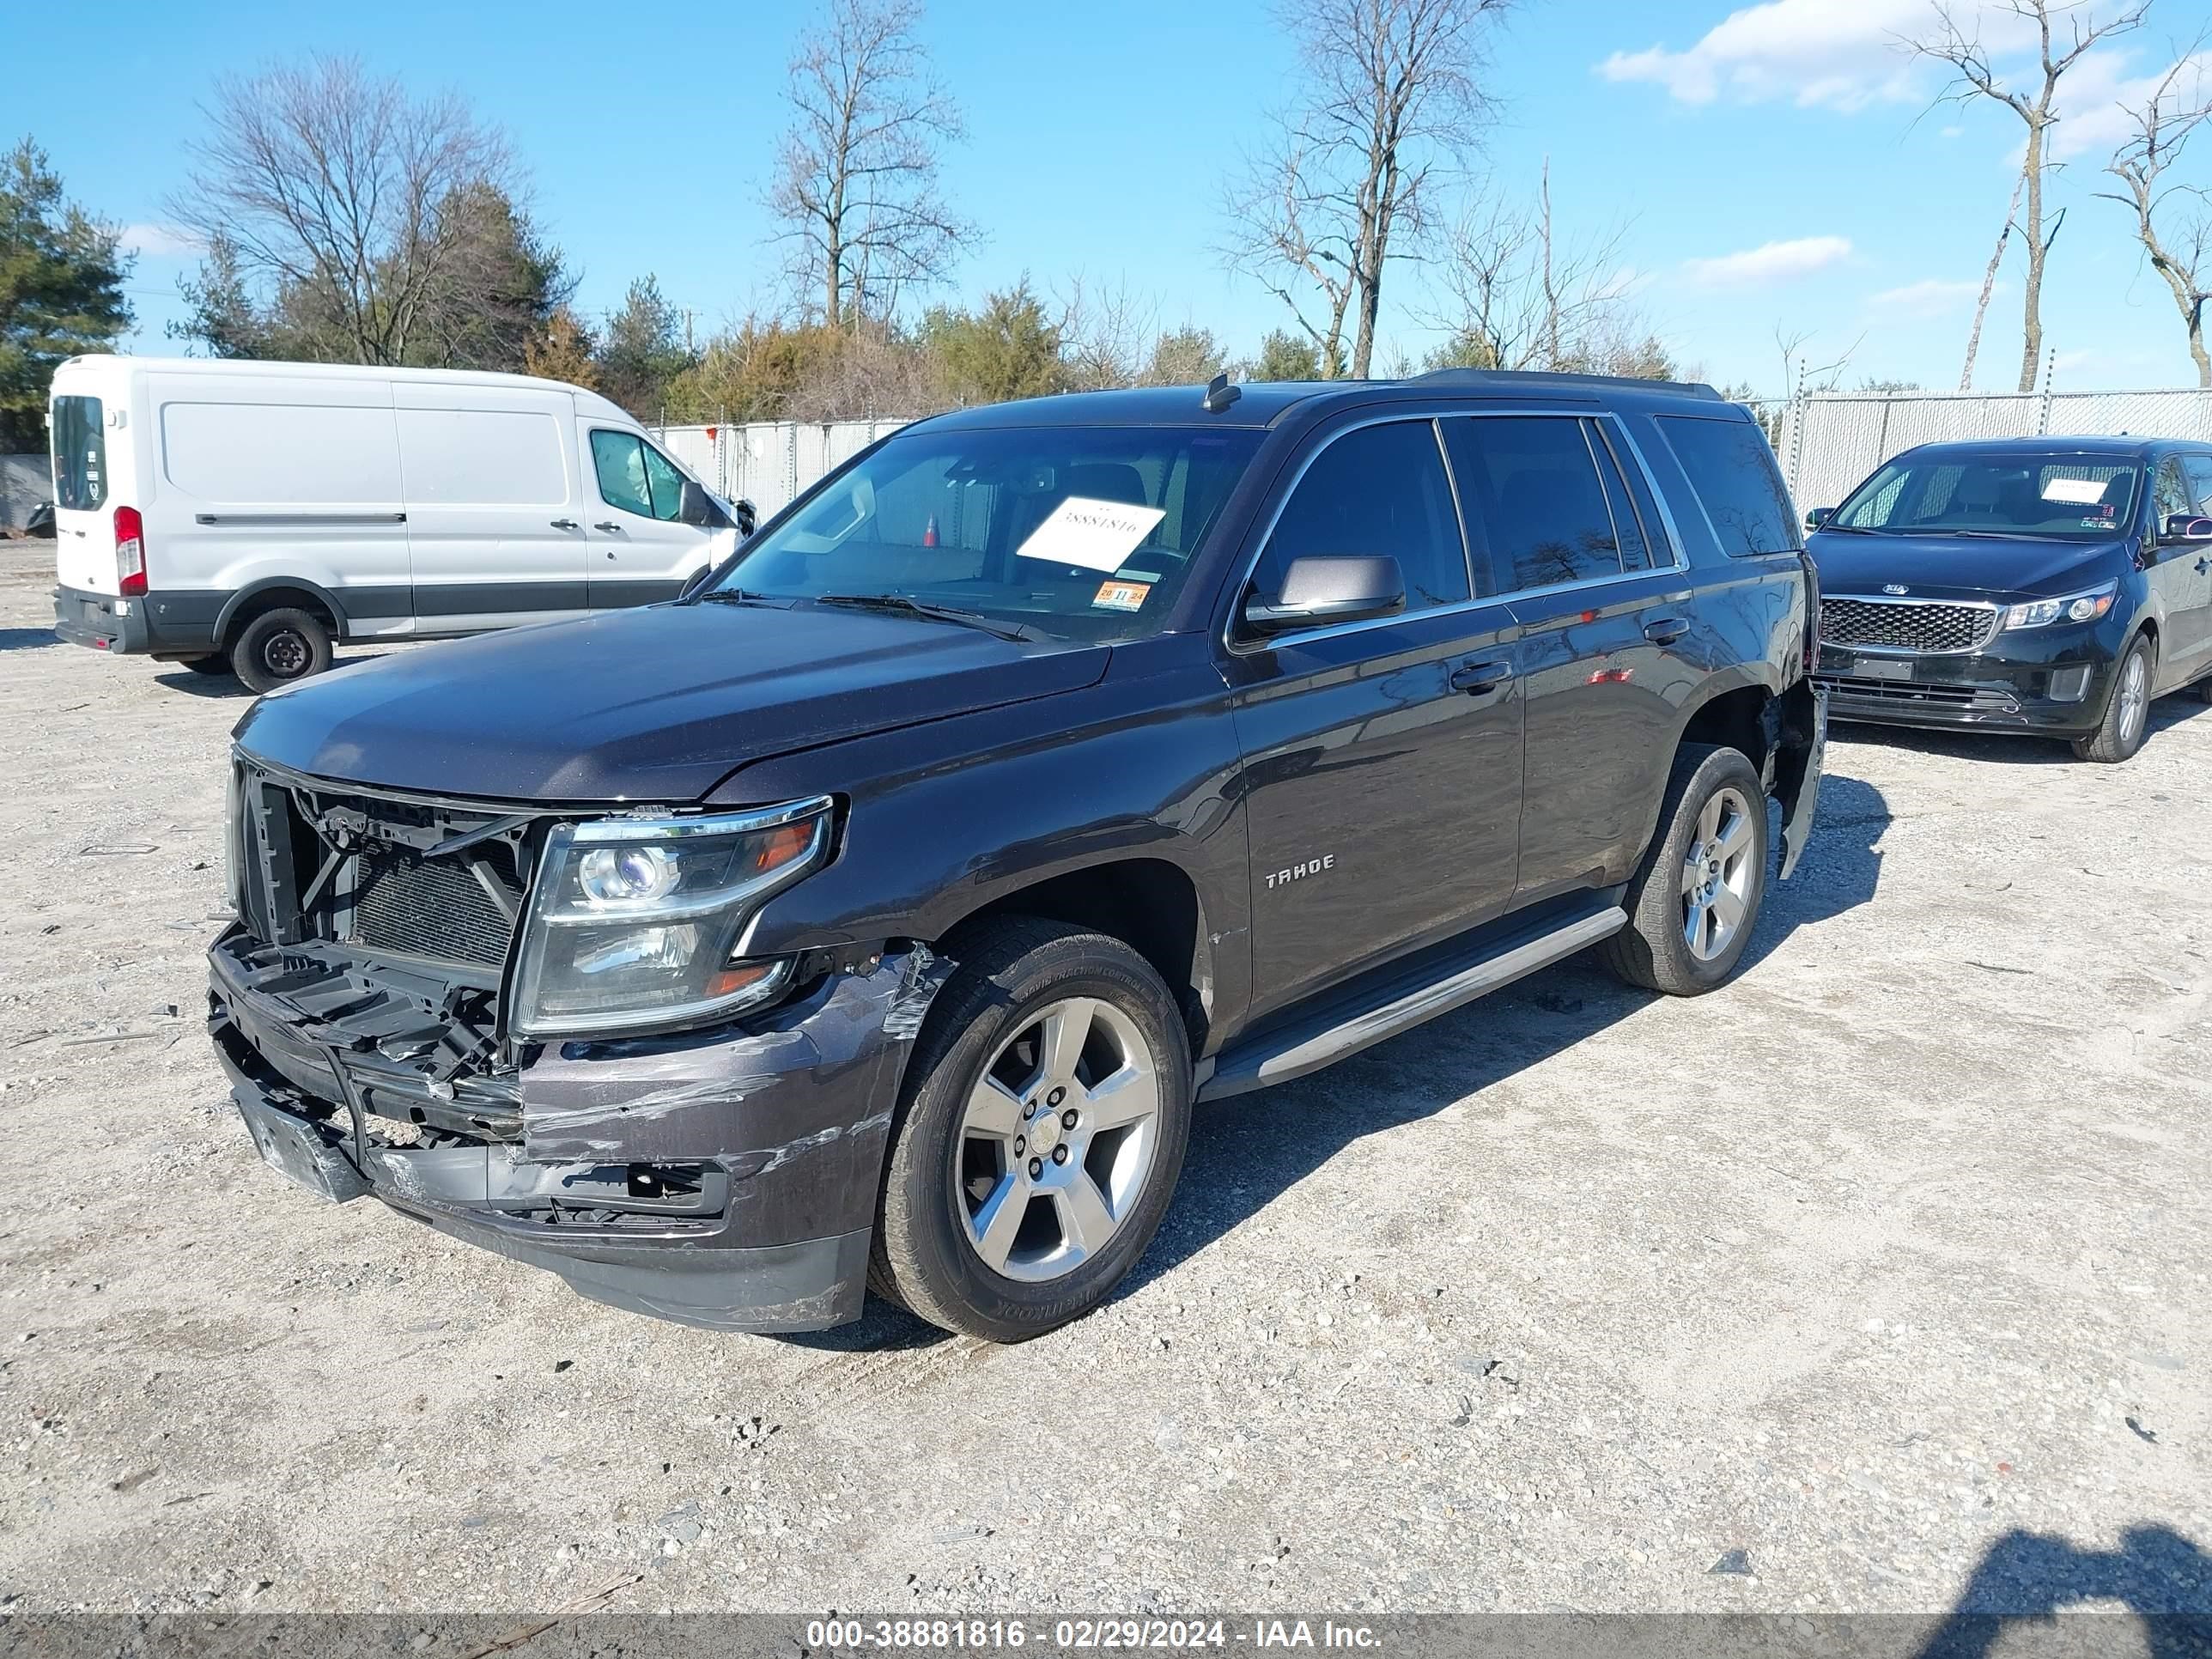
pixel 2045 585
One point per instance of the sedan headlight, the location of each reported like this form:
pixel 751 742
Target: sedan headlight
pixel 637 922
pixel 2074 607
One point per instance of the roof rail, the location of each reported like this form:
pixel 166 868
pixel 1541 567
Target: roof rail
pixel 1504 378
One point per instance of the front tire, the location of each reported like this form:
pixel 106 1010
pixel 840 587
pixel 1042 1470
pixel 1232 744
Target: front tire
pixel 2127 710
pixel 279 646
pixel 1045 1115
pixel 1695 900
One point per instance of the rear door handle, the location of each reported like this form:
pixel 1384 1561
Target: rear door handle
pixel 1666 630
pixel 564 524
pixel 609 525
pixel 1476 677
pixel 2204 565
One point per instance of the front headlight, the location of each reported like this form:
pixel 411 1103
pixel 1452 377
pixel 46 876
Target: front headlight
pixel 2074 607
pixel 637 922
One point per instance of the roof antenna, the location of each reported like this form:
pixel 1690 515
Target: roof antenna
pixel 1219 394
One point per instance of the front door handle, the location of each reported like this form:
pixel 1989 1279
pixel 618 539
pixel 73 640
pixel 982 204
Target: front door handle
pixel 1476 677
pixel 564 524
pixel 609 525
pixel 1666 630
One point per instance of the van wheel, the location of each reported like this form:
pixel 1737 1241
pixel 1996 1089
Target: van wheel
pixel 1695 898
pixel 207 665
pixel 279 646
pixel 1045 1113
pixel 2127 710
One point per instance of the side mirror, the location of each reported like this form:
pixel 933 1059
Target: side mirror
pixel 695 582
pixel 1819 516
pixel 694 506
pixel 748 517
pixel 2187 527
pixel 1317 592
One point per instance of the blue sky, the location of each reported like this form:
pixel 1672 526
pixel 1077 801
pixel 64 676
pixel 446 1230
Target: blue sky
pixel 1770 166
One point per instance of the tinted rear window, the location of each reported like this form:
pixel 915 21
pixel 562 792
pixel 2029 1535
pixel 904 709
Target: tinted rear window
pixel 1532 484
pixel 80 455
pixel 1733 473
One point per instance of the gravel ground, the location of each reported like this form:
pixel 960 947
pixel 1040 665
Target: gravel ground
pixel 1875 1282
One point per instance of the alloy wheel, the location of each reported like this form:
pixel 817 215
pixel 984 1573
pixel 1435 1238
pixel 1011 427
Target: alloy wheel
pixel 2134 696
pixel 1057 1140
pixel 1718 875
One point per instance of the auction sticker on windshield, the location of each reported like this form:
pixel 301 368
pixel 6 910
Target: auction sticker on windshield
pixel 2083 492
pixel 1096 535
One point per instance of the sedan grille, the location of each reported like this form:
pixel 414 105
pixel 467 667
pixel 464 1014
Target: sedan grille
pixel 1930 627
pixel 436 908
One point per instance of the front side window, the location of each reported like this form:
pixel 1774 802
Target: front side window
pixel 1077 533
pixel 635 477
pixel 1997 492
pixel 2197 469
pixel 1732 469
pixel 1376 490
pixel 80 455
pixel 2172 497
pixel 1530 484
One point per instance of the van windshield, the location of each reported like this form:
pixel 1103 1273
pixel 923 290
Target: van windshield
pixel 80 455
pixel 1083 533
pixel 1998 493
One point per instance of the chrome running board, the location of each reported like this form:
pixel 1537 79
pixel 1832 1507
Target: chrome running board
pixel 1284 1055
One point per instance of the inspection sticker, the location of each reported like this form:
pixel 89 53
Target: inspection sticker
pixel 1097 534
pixel 1121 596
pixel 2087 492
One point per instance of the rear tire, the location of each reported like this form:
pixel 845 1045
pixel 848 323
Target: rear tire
pixel 279 646
pixel 1702 877
pixel 2127 709
pixel 210 665
pixel 999 1218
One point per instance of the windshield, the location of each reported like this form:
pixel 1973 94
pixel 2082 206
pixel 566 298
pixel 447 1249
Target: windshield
pixel 1083 533
pixel 1998 493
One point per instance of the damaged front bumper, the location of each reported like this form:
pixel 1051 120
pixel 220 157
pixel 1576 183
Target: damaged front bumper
pixel 724 1178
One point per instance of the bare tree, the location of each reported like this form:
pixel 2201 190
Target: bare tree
pixel 1105 333
pixel 1989 285
pixel 1393 100
pixel 1960 44
pixel 857 187
pixel 1522 297
pixel 2181 253
pixel 361 205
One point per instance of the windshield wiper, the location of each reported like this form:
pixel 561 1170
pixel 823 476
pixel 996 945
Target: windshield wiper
pixel 934 612
pixel 2006 535
pixel 1831 528
pixel 732 596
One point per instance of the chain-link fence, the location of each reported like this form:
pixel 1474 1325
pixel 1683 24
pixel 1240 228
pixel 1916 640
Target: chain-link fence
pixel 1828 441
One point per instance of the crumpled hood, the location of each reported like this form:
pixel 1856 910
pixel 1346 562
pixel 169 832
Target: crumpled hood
pixel 1951 567
pixel 651 705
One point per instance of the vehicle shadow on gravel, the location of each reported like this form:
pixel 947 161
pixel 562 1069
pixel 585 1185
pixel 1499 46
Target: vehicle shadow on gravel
pixel 229 687
pixel 2011 748
pixel 2163 1577
pixel 1247 1151
pixel 26 639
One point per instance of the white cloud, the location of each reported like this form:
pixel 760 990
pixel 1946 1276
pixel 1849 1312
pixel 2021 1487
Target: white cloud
pixel 159 241
pixel 1842 53
pixel 1932 296
pixel 1839 54
pixel 1770 262
pixel 2096 97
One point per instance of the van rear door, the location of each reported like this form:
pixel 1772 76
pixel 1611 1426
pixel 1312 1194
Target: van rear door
pixel 91 442
pixel 494 512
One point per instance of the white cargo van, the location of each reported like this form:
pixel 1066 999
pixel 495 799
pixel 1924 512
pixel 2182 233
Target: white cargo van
pixel 239 516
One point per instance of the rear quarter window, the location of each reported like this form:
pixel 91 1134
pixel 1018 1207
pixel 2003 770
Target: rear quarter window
pixel 80 455
pixel 1737 483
